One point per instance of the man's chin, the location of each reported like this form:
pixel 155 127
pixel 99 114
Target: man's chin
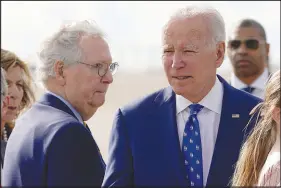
pixel 179 90
pixel 245 72
pixel 97 103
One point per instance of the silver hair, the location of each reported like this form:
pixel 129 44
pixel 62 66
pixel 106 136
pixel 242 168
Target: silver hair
pixel 64 46
pixel 4 86
pixel 213 19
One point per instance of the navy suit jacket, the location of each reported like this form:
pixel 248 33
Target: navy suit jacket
pixel 50 147
pixel 144 146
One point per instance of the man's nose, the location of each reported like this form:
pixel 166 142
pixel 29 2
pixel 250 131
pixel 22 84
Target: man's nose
pixel 107 78
pixel 242 49
pixel 177 61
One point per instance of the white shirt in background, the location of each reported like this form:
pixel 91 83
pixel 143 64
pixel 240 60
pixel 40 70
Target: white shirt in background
pixel 258 84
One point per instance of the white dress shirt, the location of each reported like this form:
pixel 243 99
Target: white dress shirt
pixel 78 116
pixel 258 84
pixel 209 119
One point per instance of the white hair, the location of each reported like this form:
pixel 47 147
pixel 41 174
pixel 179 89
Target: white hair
pixel 4 86
pixel 213 19
pixel 63 46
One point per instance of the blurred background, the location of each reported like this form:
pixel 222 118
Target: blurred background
pixel 134 33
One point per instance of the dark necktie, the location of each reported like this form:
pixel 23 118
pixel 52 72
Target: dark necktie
pixel 192 149
pixel 249 89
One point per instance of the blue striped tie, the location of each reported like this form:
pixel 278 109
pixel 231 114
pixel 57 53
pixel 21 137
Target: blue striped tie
pixel 192 149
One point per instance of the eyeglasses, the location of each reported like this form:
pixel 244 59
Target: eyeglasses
pixel 252 44
pixel 102 68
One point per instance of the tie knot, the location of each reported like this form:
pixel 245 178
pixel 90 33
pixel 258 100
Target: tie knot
pixel 195 108
pixel 249 89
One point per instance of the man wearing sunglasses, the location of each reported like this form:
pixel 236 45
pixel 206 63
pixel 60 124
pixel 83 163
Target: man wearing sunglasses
pixel 248 52
pixel 51 144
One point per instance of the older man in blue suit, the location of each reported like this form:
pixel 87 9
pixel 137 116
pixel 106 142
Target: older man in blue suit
pixel 51 145
pixel 188 134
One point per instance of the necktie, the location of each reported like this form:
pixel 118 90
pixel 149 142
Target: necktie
pixel 248 89
pixel 192 148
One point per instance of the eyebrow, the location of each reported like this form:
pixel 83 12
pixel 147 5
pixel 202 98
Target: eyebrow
pixel 10 81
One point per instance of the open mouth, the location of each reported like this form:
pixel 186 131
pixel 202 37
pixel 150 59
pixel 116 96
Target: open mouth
pixel 182 77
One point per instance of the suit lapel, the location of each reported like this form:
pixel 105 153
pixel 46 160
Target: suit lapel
pixel 227 139
pixel 166 119
pixel 50 100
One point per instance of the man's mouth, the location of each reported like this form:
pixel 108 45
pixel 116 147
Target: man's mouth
pixel 182 77
pixel 101 91
pixel 243 62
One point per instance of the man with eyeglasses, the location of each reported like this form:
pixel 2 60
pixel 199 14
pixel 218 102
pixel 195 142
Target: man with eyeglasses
pixel 248 52
pixel 51 144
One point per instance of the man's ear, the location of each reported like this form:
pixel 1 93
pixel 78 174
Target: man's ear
pixel 59 72
pixel 220 54
pixel 267 49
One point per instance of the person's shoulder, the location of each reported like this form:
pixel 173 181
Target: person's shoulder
pixel 245 97
pixel 146 102
pixel 238 95
pixel 46 120
pixel 41 112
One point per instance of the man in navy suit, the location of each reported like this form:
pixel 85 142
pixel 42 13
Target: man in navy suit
pixel 51 145
pixel 188 134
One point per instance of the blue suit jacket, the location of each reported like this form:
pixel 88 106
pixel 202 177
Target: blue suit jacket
pixel 144 146
pixel 50 147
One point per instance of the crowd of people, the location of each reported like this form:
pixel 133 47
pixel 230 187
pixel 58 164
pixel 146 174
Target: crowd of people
pixel 201 130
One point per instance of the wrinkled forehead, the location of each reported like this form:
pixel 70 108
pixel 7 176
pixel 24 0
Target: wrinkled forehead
pixel 95 49
pixel 184 29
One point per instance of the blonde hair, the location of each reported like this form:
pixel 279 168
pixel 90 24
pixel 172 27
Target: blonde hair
pixel 254 151
pixel 9 59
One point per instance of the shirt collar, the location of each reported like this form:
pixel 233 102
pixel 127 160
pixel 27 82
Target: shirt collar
pixel 212 101
pixel 259 83
pixel 78 116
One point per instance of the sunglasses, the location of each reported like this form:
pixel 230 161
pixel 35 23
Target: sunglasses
pixel 252 44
